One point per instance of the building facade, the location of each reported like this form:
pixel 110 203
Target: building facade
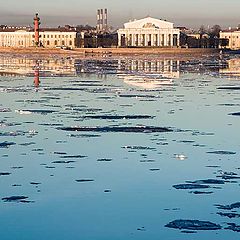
pixel 148 32
pixel 18 38
pixel 48 38
pixel 232 38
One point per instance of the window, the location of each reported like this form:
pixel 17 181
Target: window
pixel 48 42
pixel 70 42
pixel 55 42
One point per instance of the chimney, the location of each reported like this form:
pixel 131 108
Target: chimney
pixel 98 19
pixel 101 19
pixel 105 19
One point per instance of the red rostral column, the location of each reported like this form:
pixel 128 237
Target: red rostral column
pixel 36 29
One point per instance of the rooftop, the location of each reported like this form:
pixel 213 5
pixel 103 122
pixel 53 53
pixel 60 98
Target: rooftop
pixel 30 29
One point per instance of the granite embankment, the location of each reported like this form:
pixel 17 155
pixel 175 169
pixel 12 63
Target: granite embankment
pixel 109 51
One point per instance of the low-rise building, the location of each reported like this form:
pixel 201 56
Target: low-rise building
pixel 148 32
pixel 231 37
pixel 67 36
pixel 58 37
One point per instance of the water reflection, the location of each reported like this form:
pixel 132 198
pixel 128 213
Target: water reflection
pixel 232 68
pixel 36 75
pixel 146 73
pixel 149 74
pixel 96 146
pixel 26 66
pixel 140 73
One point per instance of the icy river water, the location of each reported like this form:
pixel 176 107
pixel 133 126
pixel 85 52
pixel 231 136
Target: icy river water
pixel 120 148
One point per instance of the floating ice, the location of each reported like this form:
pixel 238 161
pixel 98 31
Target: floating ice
pixel 193 225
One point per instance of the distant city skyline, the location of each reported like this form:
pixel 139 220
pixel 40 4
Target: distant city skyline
pixel 187 13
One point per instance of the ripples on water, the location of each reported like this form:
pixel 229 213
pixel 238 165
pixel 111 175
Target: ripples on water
pixel 122 148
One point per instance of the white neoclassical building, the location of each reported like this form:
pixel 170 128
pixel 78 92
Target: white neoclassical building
pixel 148 32
pixel 49 38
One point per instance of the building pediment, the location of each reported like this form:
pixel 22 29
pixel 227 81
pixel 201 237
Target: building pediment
pixel 148 22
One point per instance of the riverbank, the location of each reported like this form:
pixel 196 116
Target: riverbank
pixel 109 51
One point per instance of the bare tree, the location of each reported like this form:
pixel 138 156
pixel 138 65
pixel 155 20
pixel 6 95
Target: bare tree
pixel 215 31
pixel 202 31
pixel 214 36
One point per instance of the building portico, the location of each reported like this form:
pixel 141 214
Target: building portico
pixel 148 32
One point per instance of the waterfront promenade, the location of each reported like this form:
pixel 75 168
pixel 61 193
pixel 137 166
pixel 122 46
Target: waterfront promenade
pixel 109 51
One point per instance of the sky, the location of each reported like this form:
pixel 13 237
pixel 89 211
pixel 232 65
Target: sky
pixel 189 13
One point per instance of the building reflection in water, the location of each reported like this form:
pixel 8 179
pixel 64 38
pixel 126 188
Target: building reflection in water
pixel 232 68
pixel 10 66
pixel 47 67
pixel 100 68
pixel 149 74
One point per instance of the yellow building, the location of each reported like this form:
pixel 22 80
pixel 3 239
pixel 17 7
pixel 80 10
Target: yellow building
pixel 49 38
pixel 232 37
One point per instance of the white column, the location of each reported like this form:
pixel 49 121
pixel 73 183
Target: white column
pixel 178 40
pixel 133 39
pixel 143 40
pixel 159 39
pixel 171 40
pixel 119 39
pixel 126 39
pixel 152 40
pixel 146 40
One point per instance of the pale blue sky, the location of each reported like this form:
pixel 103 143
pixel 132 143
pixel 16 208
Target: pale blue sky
pixel 190 13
